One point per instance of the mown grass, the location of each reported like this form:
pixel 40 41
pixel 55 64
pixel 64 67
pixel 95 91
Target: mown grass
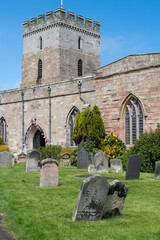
pixel 33 213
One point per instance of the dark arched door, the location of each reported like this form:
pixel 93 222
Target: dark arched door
pixel 38 140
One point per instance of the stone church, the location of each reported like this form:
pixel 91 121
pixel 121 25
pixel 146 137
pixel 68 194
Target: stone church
pixel 62 75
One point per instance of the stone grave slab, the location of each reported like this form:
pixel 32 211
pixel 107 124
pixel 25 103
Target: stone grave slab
pixel 133 167
pixel 101 162
pixel 82 159
pixel 91 199
pixel 116 165
pixel 65 160
pixel 6 159
pixel 116 198
pixel 33 161
pixel 157 170
pixel 49 173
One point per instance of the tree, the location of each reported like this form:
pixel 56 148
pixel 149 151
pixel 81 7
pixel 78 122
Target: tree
pixel 89 125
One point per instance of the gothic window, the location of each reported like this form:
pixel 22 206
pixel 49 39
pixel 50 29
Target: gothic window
pixel 133 121
pixel 79 68
pixel 70 125
pixel 39 71
pixel 40 42
pixel 79 43
pixel 3 130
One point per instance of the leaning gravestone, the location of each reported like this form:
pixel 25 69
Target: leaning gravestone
pixel 91 199
pixel 6 159
pixel 116 165
pixel 49 173
pixel 82 159
pixel 157 170
pixel 101 162
pixel 116 198
pixel 133 167
pixel 65 160
pixel 33 161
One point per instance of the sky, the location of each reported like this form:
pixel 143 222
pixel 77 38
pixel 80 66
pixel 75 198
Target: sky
pixel 127 27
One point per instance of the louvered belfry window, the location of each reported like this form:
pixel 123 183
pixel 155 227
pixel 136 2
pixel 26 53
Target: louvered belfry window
pixel 133 121
pixel 79 68
pixel 39 71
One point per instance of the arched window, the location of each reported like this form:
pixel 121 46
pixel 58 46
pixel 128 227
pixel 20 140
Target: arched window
pixel 71 118
pixel 79 43
pixel 40 43
pixel 39 71
pixel 3 129
pixel 133 121
pixel 79 68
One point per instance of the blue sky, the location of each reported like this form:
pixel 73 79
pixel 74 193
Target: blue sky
pixel 127 27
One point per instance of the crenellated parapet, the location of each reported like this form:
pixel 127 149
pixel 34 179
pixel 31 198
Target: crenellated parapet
pixel 47 21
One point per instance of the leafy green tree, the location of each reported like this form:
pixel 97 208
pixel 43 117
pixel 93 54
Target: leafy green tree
pixel 89 125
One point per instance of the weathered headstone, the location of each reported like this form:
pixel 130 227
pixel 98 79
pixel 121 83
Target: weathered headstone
pixel 91 169
pixel 91 199
pixel 101 162
pixel 133 167
pixel 82 159
pixel 49 173
pixel 157 170
pixel 22 158
pixel 33 161
pixel 116 198
pixel 6 159
pixel 65 160
pixel 116 165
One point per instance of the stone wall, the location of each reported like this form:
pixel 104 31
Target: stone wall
pixel 138 75
pixel 64 96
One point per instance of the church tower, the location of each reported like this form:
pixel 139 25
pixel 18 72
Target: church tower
pixel 59 47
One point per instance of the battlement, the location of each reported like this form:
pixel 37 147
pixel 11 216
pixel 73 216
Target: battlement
pixel 48 21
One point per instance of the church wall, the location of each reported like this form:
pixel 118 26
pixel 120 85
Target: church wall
pixel 114 84
pixel 64 96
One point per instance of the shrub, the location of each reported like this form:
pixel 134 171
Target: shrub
pixel 88 145
pixel 66 150
pixel 113 146
pixel 89 125
pixel 50 151
pixel 148 146
pixel 4 148
pixel 1 141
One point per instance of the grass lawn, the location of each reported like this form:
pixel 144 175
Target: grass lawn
pixel 32 213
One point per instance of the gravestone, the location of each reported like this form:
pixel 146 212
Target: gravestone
pixel 116 198
pixel 82 159
pixel 91 199
pixel 133 167
pixel 116 165
pixel 91 169
pixel 22 158
pixel 65 160
pixel 49 173
pixel 157 170
pixel 101 162
pixel 6 159
pixel 33 161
